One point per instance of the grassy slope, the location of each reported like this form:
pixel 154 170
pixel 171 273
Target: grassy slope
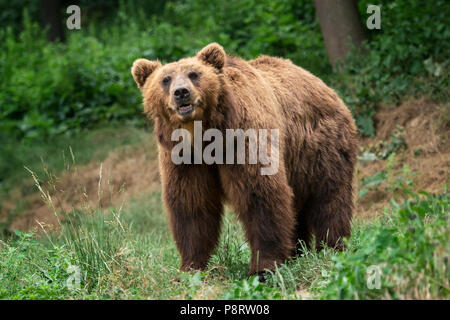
pixel 48 159
pixel 130 255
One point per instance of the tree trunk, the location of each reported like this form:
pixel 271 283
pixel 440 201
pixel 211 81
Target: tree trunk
pixel 51 17
pixel 341 27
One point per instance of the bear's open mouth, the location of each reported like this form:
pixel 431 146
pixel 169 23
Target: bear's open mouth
pixel 185 109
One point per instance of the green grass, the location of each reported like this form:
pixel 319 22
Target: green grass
pixel 129 254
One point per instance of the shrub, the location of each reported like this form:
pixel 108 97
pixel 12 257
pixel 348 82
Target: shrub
pixel 49 88
pixel 408 248
pixel 407 57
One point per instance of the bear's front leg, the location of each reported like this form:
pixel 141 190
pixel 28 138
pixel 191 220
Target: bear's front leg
pixel 193 199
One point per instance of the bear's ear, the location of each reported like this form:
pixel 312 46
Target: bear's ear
pixel 213 54
pixel 142 68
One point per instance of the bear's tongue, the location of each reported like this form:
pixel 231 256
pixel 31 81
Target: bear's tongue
pixel 184 109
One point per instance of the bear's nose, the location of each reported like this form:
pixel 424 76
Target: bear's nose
pixel 181 93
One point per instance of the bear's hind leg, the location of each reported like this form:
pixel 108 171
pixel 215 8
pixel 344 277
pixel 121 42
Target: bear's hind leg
pixel 330 215
pixel 303 234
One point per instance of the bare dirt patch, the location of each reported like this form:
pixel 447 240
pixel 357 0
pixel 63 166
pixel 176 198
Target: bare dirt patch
pixel 426 133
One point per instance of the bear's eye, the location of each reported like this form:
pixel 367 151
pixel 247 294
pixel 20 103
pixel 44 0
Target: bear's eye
pixel 166 80
pixel 193 75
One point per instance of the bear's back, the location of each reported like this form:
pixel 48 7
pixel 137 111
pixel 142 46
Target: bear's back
pixel 298 90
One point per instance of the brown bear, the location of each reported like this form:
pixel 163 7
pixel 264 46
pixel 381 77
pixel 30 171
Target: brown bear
pixel 310 194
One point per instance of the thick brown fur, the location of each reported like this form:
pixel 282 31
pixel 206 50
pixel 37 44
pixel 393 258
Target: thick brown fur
pixel 311 194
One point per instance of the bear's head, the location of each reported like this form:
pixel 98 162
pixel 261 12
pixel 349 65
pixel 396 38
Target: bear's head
pixel 181 91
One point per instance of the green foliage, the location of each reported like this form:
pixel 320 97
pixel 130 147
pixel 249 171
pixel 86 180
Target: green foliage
pixel 250 28
pixel 251 289
pixel 50 88
pixel 29 270
pixel 409 247
pixel 371 183
pixel 11 13
pixel 192 283
pixel 408 57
